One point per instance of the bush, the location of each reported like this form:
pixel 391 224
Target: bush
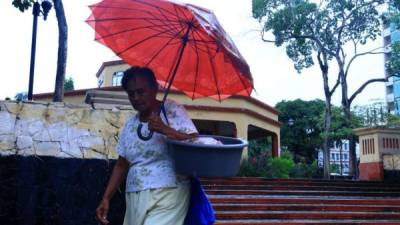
pixel 279 167
pixel 253 167
pixel 303 170
pixel 283 167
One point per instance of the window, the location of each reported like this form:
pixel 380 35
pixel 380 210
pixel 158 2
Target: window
pixel 116 78
pixel 333 156
pixel 345 157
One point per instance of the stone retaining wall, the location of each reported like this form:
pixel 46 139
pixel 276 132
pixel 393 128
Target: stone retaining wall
pixel 60 130
pixel 55 161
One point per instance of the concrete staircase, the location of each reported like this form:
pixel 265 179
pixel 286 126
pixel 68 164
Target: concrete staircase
pixel 244 201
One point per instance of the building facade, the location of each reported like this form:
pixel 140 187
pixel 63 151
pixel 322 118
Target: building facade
pixel 238 116
pixel 339 157
pixel 391 35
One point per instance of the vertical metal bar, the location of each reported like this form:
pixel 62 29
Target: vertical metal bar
pixel 35 12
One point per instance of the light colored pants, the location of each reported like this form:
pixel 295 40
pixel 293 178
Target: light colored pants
pixel 166 206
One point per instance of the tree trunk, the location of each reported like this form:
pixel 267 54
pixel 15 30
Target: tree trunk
pixel 352 142
pixel 346 107
pixel 62 51
pixel 323 64
pixel 328 115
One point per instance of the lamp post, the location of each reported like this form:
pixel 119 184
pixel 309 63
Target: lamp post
pixel 46 6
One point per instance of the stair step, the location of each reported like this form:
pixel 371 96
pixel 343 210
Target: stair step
pixel 294 187
pixel 304 207
pixel 295 215
pixel 392 202
pixel 307 222
pixel 262 181
pixel 302 192
pixel 257 201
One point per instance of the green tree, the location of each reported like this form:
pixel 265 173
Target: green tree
pixel 21 96
pixel 300 130
pixel 69 84
pixel 309 30
pixel 393 17
pixel 24 5
pixel 375 115
pixel 372 115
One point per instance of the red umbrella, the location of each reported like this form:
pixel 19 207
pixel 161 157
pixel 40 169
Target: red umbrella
pixel 183 44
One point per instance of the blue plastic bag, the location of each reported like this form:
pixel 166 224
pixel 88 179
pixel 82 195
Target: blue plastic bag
pixel 200 210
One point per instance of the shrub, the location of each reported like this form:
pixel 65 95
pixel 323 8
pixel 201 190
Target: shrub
pixel 283 167
pixel 253 167
pixel 303 170
pixel 279 167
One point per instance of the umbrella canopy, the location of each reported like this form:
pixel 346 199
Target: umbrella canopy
pixel 183 44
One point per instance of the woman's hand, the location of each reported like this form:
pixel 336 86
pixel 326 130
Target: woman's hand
pixel 157 125
pixel 102 211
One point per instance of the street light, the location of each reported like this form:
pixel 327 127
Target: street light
pixel 46 6
pixel 290 122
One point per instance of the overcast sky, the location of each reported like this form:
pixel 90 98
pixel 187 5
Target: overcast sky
pixel 273 72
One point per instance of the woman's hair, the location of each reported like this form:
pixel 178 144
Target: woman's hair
pixel 136 71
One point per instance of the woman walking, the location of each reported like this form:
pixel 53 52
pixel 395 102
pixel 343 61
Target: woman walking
pixel 155 194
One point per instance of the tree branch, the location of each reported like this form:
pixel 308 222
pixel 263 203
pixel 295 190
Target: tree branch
pixel 263 39
pixel 320 45
pixel 335 86
pixel 363 86
pixel 371 52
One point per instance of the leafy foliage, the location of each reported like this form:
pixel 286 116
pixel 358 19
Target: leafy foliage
pixel 324 30
pixel 340 129
pixel 372 115
pixel 69 84
pixel 21 96
pixel 393 65
pixel 260 147
pixel 22 5
pixel 376 114
pixel 300 130
pixel 305 27
pixel 335 168
pixel 283 167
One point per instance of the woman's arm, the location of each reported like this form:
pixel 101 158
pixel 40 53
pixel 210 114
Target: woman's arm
pixel 157 125
pixel 118 175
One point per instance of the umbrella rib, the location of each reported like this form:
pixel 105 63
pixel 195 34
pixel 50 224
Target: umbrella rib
pixel 166 18
pixel 171 69
pixel 155 6
pixel 178 17
pixel 159 51
pixel 197 67
pixel 124 31
pixel 215 77
pixel 137 43
pixel 185 18
pixel 170 26
pixel 131 18
pixel 205 45
pixel 244 85
pixel 133 9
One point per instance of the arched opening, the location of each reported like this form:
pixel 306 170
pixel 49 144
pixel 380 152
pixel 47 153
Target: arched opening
pixel 214 127
pixel 262 142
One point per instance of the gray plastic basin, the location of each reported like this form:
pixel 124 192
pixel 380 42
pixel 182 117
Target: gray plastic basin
pixel 207 160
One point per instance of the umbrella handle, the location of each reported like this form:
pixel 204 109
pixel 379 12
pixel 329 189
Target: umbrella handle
pixel 141 136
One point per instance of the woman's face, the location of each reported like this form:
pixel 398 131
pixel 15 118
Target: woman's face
pixel 140 93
